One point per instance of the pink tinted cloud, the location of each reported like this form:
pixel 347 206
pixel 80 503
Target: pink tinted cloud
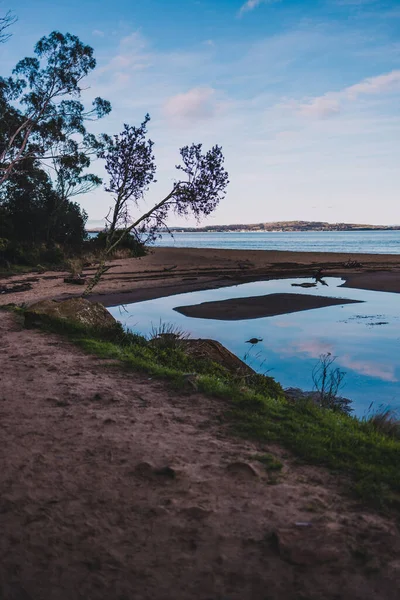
pixel 194 105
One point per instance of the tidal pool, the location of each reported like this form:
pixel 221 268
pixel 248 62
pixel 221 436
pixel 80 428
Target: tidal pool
pixel 365 337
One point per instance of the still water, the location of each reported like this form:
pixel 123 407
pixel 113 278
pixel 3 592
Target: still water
pixel 349 242
pixel 364 337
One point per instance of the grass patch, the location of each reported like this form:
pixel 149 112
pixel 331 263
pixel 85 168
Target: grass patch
pixel 269 462
pixel 365 450
pixel 328 438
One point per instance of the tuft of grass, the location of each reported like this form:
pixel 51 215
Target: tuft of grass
pixel 270 462
pixel 386 421
pixel 367 451
pixel 167 336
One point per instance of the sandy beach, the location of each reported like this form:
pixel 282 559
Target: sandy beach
pixel 168 271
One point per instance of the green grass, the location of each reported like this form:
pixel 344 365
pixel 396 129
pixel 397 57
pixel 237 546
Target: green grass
pixel 269 462
pixel 257 410
pixel 323 437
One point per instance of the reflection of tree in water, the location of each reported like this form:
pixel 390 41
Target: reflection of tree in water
pixel 319 277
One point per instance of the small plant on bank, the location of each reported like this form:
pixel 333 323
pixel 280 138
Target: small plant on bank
pixel 270 462
pixel 328 381
pixel 386 421
pixel 167 336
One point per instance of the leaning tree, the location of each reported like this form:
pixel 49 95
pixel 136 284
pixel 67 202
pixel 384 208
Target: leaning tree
pixel 131 168
pixel 40 108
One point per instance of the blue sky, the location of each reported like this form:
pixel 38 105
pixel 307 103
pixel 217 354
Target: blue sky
pixel 303 95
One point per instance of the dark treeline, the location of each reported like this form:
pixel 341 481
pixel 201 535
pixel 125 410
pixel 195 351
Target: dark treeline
pixel 46 153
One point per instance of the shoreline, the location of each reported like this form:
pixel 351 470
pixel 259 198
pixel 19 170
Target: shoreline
pixel 170 271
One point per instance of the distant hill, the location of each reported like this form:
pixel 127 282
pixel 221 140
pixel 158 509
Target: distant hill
pixel 281 226
pixel 289 226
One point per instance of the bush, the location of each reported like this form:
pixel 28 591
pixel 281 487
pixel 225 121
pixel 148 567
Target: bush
pixel 130 243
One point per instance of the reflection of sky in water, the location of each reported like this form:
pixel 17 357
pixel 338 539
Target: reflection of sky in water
pixel 364 337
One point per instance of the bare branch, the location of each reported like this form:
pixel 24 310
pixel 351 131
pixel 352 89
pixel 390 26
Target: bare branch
pixel 5 23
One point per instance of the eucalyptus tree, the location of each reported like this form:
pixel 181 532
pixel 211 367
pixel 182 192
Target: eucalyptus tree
pixel 40 107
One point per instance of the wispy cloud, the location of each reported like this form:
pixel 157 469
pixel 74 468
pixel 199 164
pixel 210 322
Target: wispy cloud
pixel 194 105
pixel 252 4
pixel 374 85
pixel 98 33
pixel 133 55
pixel 320 107
pixel 331 103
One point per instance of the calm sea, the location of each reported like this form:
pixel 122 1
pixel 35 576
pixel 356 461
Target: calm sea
pixel 349 242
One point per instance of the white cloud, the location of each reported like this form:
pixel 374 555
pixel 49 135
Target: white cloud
pixel 321 107
pixel 374 85
pixel 252 4
pixel 98 33
pixel 330 104
pixel 194 105
pixel 133 56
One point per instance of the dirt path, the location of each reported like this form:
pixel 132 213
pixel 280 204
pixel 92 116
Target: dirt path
pixel 113 487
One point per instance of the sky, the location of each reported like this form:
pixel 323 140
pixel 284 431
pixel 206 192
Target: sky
pixel 303 96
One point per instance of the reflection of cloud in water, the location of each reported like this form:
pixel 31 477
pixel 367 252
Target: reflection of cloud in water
pixel 372 369
pixel 283 324
pixel 314 349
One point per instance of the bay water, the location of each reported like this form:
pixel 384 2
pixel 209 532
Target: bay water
pixel 348 242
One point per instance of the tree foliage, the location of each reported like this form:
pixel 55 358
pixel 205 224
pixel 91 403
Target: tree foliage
pixel 40 106
pixel 34 222
pixel 45 149
pixel 130 165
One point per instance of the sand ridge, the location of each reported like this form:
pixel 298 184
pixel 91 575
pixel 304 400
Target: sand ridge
pixel 256 307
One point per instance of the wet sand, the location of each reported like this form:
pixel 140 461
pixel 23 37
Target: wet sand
pixel 256 307
pixel 169 271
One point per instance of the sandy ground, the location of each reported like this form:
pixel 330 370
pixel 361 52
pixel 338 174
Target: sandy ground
pixel 256 307
pixel 168 271
pixel 113 487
